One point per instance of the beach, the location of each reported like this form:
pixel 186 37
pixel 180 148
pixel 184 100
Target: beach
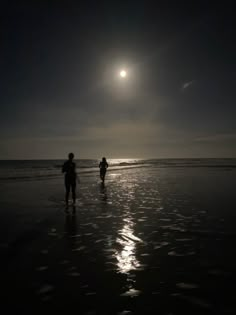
pixel 157 238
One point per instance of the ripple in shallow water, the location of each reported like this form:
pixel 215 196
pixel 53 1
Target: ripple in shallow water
pixel 45 289
pixel 174 253
pixel 131 293
pixel 42 268
pixel 187 286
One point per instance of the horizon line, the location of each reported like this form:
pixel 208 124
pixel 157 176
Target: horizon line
pixel 112 158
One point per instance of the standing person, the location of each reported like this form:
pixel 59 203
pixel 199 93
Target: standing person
pixel 69 168
pixel 103 165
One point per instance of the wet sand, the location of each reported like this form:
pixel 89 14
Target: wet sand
pixel 151 241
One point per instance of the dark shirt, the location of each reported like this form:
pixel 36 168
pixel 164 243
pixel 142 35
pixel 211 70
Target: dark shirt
pixel 103 165
pixel 69 168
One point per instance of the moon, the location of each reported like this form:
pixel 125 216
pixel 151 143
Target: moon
pixel 123 73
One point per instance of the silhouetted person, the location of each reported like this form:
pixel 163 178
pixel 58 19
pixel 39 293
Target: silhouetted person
pixel 69 168
pixel 103 165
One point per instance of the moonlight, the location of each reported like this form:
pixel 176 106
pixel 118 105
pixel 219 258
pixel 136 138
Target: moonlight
pixel 123 73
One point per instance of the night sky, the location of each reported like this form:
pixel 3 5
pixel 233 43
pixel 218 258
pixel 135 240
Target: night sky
pixel 60 89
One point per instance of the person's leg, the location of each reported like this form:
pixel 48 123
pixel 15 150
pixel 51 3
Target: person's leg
pixel 67 185
pixel 103 177
pixel 102 174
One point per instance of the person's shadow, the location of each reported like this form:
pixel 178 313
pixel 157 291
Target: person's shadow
pixel 103 193
pixel 71 228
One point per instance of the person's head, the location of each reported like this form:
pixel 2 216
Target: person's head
pixel 104 159
pixel 71 156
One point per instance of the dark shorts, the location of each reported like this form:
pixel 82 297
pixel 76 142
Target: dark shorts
pixel 70 182
pixel 102 171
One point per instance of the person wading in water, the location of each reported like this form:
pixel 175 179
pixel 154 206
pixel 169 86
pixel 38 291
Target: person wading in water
pixel 103 165
pixel 69 168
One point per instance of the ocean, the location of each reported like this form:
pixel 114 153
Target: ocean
pixel 46 169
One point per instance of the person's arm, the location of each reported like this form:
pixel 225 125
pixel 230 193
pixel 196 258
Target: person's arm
pixel 76 175
pixel 63 168
pixel 75 170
